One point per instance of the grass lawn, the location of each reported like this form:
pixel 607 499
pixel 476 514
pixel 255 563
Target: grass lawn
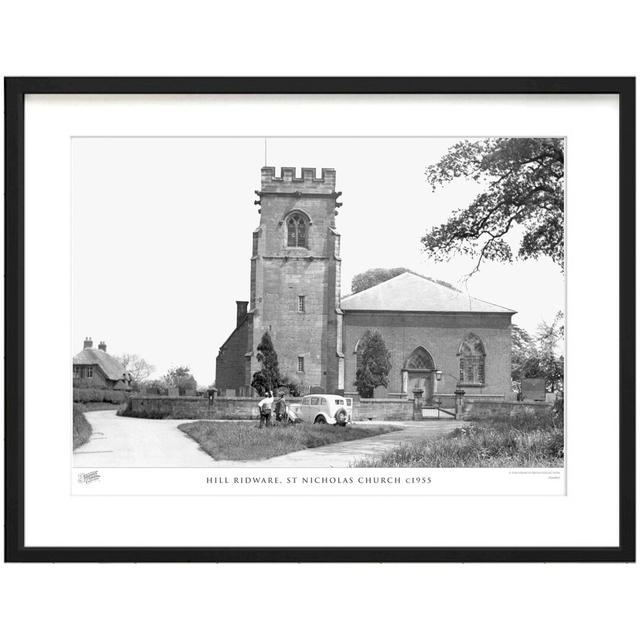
pixel 81 428
pixel 242 440
pixel 520 442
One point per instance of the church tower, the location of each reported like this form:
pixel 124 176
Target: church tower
pixel 295 278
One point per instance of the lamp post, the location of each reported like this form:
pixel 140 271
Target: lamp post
pixel 440 373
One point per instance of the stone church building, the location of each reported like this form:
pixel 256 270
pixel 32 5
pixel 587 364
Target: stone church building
pixel 439 337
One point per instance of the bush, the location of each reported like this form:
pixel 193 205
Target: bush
pixel 115 397
pixel 81 428
pixel 292 386
pixel 374 364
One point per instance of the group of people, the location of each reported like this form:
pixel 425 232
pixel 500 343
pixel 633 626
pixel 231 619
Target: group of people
pixel 273 409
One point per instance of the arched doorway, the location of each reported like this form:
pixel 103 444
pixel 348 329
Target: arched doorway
pixel 419 372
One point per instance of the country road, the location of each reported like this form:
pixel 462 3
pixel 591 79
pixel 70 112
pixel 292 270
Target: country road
pixel 138 442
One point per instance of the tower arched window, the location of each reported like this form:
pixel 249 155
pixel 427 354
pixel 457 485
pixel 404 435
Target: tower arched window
pixel 296 230
pixel 472 360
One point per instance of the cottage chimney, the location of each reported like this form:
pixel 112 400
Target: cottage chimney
pixel 103 346
pixel 241 311
pixel 88 343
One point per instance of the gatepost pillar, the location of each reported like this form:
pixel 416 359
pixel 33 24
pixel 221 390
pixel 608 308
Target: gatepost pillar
pixel 417 404
pixel 459 393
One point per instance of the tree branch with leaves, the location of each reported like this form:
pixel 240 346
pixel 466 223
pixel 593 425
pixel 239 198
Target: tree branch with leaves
pixel 524 190
pixel 138 367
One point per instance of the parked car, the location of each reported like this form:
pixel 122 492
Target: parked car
pixel 324 409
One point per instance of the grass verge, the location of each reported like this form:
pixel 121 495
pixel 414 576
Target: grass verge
pixel 242 440
pixel 81 428
pixel 528 441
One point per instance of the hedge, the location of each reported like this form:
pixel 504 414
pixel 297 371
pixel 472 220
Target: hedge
pixel 81 428
pixel 100 395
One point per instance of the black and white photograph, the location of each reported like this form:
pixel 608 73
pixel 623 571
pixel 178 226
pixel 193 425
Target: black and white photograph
pixel 320 320
pixel 318 302
pixel 366 316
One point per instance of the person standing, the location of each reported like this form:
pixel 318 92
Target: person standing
pixel 265 407
pixel 280 408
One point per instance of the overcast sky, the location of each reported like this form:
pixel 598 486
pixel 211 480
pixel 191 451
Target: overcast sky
pixel 162 235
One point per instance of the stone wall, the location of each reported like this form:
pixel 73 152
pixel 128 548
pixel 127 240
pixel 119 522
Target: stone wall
pixel 382 409
pixel 477 409
pixel 363 409
pixel 247 408
pixel 448 400
pixel 193 408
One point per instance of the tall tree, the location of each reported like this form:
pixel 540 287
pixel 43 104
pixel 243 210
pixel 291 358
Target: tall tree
pixel 539 356
pixel 268 378
pixel 549 336
pixel 181 378
pixel 523 349
pixel 138 367
pixel 523 180
pixel 372 277
pixel 374 364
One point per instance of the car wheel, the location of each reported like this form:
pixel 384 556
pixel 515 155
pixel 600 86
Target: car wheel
pixel 320 420
pixel 341 417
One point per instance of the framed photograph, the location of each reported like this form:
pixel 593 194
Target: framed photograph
pixel 320 319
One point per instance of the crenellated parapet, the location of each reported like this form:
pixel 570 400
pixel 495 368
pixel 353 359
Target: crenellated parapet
pixel 307 181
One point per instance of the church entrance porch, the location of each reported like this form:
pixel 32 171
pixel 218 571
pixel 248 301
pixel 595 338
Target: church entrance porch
pixel 419 372
pixel 421 380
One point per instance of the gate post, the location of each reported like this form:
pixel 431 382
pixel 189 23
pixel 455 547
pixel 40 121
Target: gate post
pixel 459 393
pixel 417 404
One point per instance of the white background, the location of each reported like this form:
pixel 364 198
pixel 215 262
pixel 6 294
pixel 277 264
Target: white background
pixel 189 38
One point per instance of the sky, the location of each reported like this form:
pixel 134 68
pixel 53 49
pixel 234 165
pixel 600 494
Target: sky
pixel 162 230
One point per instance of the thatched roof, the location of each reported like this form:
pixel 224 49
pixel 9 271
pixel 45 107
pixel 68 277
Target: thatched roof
pixel 110 366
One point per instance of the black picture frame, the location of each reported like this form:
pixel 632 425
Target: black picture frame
pixel 15 91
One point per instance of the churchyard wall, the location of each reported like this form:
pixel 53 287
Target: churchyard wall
pixel 478 409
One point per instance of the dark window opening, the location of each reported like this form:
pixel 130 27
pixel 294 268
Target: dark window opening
pixel 296 231
pixel 472 360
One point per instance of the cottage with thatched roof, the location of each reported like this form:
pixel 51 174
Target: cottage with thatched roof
pixel 96 368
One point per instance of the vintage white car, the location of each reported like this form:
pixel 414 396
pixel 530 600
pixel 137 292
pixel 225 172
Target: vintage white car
pixel 324 409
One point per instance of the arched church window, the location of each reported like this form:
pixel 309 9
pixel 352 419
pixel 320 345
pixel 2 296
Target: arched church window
pixel 472 360
pixel 357 350
pixel 420 358
pixel 296 230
